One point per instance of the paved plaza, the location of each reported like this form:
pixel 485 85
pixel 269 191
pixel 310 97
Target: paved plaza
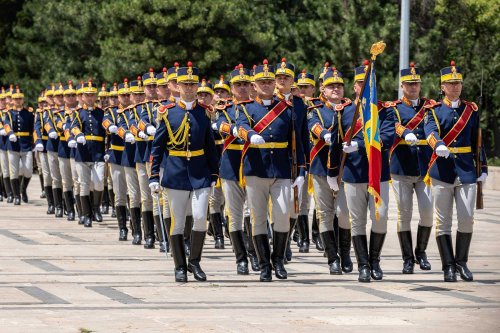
pixel 57 276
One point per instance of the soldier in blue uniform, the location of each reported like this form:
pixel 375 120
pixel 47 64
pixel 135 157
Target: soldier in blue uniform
pixel 128 157
pixel 114 158
pixel 89 134
pixel 185 135
pixel 451 128
pixel 73 147
pixel 108 193
pixel 272 136
pixel 409 160
pixel 355 177
pixel 4 158
pixel 19 125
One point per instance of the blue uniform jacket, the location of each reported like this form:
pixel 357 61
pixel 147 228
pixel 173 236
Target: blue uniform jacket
pixel 271 162
pixel 123 119
pixel 439 121
pixel 21 124
pixel 49 120
pixel 116 143
pixel 88 122
pixel 40 135
pixel 181 172
pixel 142 146
pixel 146 114
pixel 63 131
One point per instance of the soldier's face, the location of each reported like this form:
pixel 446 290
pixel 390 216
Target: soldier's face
pixel 411 90
pixel 59 99
pixel 284 83
pixel 70 100
pixel 162 91
pixel 265 88
pixel 113 100
pixel 50 100
pixel 221 94
pixel 89 99
pixel 173 87
pixel 124 99
pixel 18 102
pixel 138 98
pixel 358 85
pixel 307 90
pixel 2 103
pixel 241 90
pixel 188 91
pixel 205 98
pixel 452 90
pixel 334 92
pixel 150 91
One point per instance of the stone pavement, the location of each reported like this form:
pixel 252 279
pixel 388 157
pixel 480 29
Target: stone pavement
pixel 56 276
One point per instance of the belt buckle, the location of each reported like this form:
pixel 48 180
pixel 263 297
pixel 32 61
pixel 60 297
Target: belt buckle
pixel 188 155
pixel 271 145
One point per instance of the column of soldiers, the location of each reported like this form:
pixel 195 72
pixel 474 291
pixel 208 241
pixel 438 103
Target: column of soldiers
pixel 170 151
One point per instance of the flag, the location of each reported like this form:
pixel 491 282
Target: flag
pixel 371 130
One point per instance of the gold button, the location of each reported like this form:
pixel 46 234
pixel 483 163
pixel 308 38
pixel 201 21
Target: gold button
pixel 272 152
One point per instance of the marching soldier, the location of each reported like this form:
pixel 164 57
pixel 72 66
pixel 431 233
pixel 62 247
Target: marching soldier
pixel 52 150
pixel 409 160
pixel 273 148
pixel 89 135
pixel 108 198
pixel 128 157
pixel 19 125
pixel 235 195
pixel 191 169
pixel 451 128
pixel 205 96
pixel 4 158
pixel 114 158
pixel 355 177
pixel 73 147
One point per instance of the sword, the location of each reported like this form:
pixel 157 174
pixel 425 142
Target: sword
pixel 163 232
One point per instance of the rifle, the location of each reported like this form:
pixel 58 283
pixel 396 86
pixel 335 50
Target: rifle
pixel 479 143
pixel 294 162
pixel 375 50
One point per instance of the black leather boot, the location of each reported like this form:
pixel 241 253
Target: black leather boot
pixel 86 210
pixel 303 227
pixel 423 234
pixel 331 247
pixel 288 250
pixel 252 254
pixel 70 206
pixel 405 242
pixel 445 247
pixel 197 242
pixel 360 244
pixel 16 189
pixel 188 228
pixel 345 250
pixel 105 201
pixel 24 188
pixel 8 190
pixel 111 194
pixel 177 245
pixel 149 232
pixel 96 206
pixel 462 255
pixel 50 200
pixel 315 233
pixel 218 233
pixel 43 195
pixel 135 222
pixel 280 240
pixel 261 243
pixel 79 209
pixel 121 216
pixel 240 252
pixel 376 244
pixel 58 201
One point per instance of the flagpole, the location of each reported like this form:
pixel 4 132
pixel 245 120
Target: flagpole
pixel 375 50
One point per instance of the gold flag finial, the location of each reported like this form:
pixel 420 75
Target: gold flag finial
pixel 376 49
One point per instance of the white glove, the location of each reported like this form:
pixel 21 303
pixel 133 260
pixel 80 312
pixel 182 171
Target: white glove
pixel 328 138
pixel 350 148
pixel 72 144
pixel 151 130
pixel 3 132
pixel 332 182
pixel 53 135
pixel 299 181
pixel 212 184
pixel 155 187
pixel 257 140
pixel 12 138
pixel 64 127
pixel 442 151
pixel 81 140
pixel 411 139
pixel 142 135
pixel 482 178
pixel 113 129
pixel 106 157
pixel 39 147
pixel 235 131
pixel 214 126
pixel 129 137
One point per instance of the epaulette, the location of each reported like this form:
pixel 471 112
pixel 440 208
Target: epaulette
pixel 163 109
pixel 391 104
pixel 472 105
pixel 340 107
pixel 243 102
pixel 380 104
pixel 431 103
pixel 314 106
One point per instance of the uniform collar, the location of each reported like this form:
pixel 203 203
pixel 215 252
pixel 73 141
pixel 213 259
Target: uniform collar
pixel 186 105
pixel 452 104
pixel 410 102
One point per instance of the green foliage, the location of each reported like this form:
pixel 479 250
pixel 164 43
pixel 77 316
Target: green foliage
pixel 44 41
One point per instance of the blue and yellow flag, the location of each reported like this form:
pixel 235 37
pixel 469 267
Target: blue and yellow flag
pixel 371 130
